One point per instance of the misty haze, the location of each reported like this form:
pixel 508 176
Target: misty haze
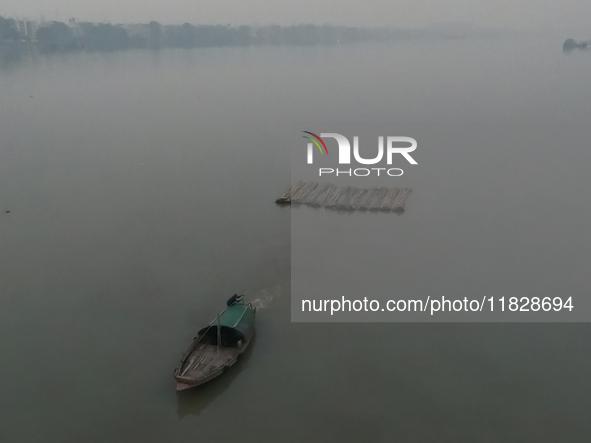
pixel 140 158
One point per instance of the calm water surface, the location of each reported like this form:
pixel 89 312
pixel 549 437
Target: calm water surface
pixel 141 189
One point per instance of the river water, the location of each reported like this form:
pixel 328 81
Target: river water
pixel 140 187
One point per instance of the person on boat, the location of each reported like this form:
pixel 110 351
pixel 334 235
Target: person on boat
pixel 235 298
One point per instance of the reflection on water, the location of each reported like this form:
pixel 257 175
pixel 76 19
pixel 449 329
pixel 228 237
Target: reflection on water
pixel 11 56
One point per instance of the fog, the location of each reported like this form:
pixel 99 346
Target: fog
pixel 141 188
pixel 555 16
pixel 137 194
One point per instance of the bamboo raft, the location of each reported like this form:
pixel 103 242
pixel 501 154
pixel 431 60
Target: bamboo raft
pixel 346 198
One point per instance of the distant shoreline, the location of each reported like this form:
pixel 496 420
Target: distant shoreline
pixel 54 36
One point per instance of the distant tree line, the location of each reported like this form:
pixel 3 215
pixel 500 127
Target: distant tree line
pixel 61 37
pixel 8 30
pixel 105 37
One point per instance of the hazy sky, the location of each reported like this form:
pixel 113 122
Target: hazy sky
pixel 560 15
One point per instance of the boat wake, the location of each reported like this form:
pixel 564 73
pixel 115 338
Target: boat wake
pixel 264 298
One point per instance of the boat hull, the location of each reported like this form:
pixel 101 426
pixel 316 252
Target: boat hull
pixel 186 381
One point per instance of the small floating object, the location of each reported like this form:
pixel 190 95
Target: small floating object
pixel 571 44
pixel 8 212
pixel 217 346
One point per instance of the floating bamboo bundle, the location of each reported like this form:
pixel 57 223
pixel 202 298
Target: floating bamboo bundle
pixel 346 197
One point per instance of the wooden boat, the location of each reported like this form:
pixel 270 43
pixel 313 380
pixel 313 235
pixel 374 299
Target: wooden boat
pixel 217 346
